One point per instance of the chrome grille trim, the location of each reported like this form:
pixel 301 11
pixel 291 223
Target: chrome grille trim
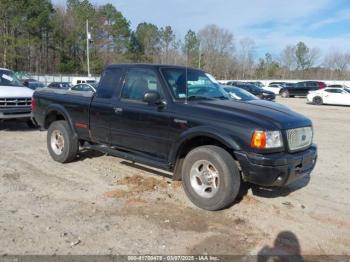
pixel 299 138
pixel 15 102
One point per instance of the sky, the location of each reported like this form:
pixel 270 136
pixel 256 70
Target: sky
pixel 272 24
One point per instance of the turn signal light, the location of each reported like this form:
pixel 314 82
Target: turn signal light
pixel 33 105
pixel 258 139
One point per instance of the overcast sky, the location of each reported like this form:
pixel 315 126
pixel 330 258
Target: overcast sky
pixel 271 23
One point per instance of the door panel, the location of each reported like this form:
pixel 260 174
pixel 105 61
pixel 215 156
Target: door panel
pixel 136 125
pixel 346 99
pixel 142 128
pixel 102 109
pixel 300 89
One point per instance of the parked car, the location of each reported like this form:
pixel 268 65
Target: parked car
pixel 277 83
pixel 257 83
pixel 177 119
pixel 239 94
pixel 15 99
pixel 234 83
pixel 301 88
pixel 60 85
pixel 84 87
pixel 338 86
pixel 33 84
pixel 255 90
pixel 330 96
pixel 275 88
pixel 82 80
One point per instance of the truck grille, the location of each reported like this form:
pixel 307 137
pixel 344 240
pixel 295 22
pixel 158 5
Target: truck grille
pixel 15 102
pixel 299 138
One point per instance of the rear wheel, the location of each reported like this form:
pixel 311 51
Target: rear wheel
pixel 317 100
pixel 211 177
pixel 62 143
pixel 284 93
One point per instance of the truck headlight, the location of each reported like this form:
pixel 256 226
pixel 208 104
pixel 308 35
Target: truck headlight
pixel 266 139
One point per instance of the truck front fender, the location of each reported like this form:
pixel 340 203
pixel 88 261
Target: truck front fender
pixel 226 139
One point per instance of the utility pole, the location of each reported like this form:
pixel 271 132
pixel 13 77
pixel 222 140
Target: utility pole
pixel 200 55
pixel 88 37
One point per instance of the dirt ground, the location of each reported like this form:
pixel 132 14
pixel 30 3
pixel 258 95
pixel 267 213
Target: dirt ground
pixel 104 205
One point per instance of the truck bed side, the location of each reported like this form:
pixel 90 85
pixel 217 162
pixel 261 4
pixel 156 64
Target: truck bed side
pixel 73 106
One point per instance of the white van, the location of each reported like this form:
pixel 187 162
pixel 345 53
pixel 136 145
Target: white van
pixel 82 80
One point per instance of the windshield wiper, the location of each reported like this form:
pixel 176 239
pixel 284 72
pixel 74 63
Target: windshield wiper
pixel 199 97
pixel 221 97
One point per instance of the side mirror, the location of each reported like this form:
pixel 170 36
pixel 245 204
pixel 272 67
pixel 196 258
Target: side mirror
pixel 152 98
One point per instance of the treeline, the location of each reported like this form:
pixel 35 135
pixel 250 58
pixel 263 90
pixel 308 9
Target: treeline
pixel 37 37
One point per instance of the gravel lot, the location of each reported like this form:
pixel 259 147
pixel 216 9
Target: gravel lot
pixel 104 205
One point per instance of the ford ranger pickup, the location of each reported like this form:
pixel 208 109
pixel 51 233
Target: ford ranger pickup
pixel 181 120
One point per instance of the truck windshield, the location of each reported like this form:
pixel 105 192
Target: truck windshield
pixel 192 84
pixel 8 78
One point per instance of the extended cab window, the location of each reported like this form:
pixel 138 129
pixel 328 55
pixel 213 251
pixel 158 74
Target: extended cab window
pixel 138 82
pixel 109 82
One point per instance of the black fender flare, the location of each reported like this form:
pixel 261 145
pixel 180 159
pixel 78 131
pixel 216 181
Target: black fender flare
pixel 207 131
pixel 61 110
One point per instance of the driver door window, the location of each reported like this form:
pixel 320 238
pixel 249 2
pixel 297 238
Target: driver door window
pixel 138 82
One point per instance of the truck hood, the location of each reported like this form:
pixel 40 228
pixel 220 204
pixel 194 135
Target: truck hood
pixel 15 91
pixel 260 111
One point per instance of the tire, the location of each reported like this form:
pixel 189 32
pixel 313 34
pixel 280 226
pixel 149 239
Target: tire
pixel 62 143
pixel 284 93
pixel 211 167
pixel 317 100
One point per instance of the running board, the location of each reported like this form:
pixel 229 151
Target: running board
pixel 133 157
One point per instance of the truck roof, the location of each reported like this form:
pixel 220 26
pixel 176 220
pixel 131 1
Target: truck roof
pixel 150 66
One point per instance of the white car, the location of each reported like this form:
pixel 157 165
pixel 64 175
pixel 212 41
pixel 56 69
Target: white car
pixel 15 99
pixel 330 96
pixel 84 87
pixel 275 88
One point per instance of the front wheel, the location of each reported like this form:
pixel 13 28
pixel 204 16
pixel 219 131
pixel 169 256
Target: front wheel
pixel 211 177
pixel 317 100
pixel 284 93
pixel 62 143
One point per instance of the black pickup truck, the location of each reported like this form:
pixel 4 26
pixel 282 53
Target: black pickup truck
pixel 181 120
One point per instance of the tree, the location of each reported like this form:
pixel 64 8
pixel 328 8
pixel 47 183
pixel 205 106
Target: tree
pixel 167 37
pixel 305 57
pixel 288 59
pixel 148 37
pixel 114 28
pixel 246 54
pixel 24 33
pixel 191 48
pixel 135 50
pixel 217 48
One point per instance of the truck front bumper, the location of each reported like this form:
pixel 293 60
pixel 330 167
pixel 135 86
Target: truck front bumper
pixel 278 169
pixel 15 113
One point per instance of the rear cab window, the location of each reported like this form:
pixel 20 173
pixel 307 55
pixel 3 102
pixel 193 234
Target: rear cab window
pixel 109 82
